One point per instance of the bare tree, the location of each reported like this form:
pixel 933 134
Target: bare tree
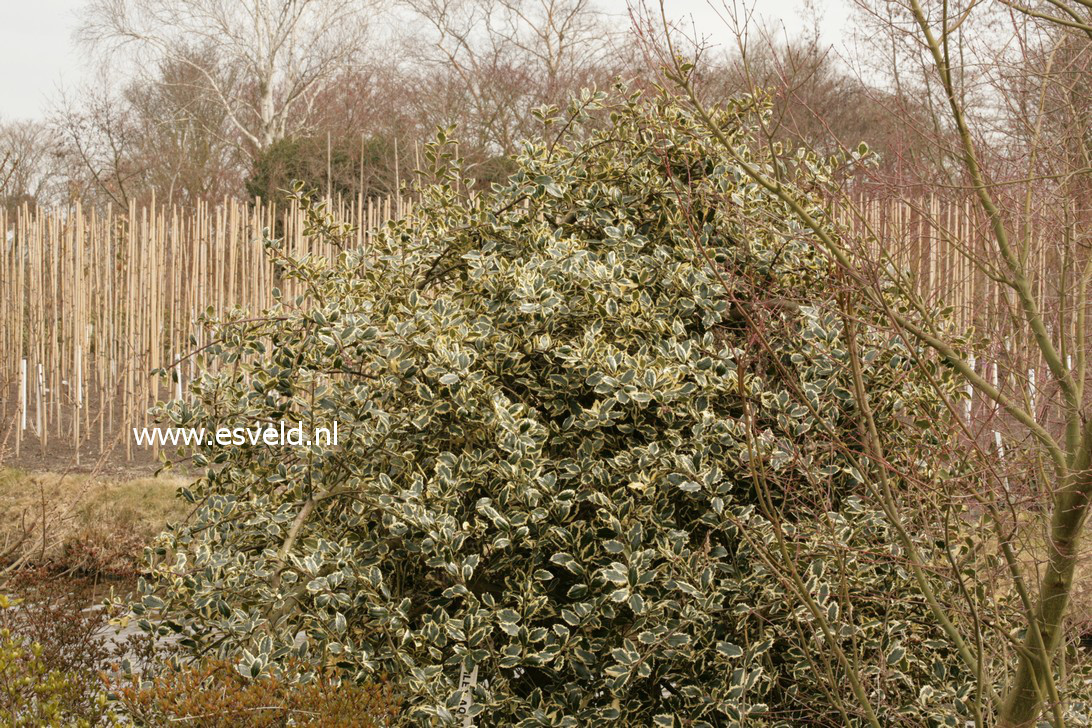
pixel 817 101
pixel 1004 107
pixel 98 140
pixel 184 140
pixel 485 65
pixel 27 164
pixel 273 56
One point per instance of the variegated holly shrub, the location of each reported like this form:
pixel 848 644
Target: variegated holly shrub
pixel 599 461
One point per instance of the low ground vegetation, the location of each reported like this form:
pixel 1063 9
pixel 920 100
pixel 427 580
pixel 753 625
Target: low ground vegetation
pixel 213 694
pixel 62 665
pixel 81 524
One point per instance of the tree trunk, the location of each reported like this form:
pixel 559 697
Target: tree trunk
pixel 1023 703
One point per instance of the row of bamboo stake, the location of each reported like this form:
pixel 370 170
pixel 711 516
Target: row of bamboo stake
pixel 91 302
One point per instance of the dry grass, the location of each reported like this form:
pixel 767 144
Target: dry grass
pixel 80 523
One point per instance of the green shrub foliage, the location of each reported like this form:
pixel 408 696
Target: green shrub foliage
pixel 565 409
pixel 52 684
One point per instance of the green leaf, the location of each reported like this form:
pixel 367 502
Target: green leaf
pixel 729 650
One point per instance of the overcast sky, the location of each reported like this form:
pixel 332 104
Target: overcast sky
pixel 38 56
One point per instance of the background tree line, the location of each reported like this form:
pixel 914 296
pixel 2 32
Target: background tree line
pixel 240 99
